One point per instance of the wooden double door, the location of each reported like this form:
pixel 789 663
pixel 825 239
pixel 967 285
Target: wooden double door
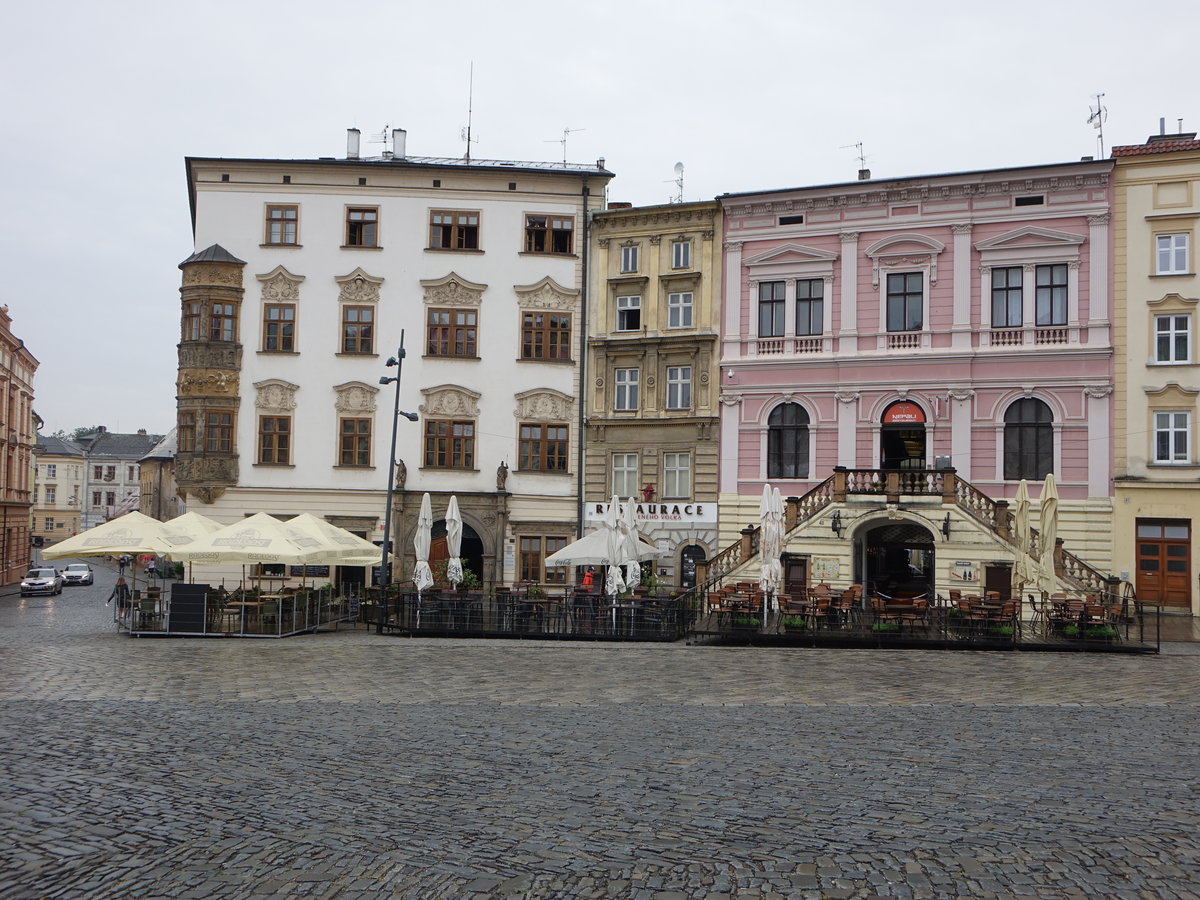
pixel 1164 562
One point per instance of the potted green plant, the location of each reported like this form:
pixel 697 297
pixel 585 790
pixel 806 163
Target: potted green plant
pixel 794 623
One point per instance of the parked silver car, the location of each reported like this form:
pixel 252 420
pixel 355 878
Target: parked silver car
pixel 78 573
pixel 41 581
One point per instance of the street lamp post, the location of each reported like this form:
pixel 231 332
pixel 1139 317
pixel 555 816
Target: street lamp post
pixel 385 568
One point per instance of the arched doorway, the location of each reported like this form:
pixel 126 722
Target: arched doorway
pixel 899 560
pixel 470 550
pixel 902 437
pixel 688 557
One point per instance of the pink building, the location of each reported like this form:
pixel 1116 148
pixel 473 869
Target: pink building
pixel 919 325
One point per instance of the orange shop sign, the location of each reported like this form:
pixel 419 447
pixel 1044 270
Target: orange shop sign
pixel 904 413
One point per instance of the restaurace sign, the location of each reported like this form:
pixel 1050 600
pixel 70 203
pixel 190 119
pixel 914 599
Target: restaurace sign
pixel 662 513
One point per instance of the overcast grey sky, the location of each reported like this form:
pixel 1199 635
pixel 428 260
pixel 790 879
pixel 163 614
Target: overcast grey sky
pixel 103 100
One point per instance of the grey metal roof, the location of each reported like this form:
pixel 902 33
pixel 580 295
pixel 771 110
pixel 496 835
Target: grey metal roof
pixel 166 448
pixel 108 445
pixel 215 253
pixel 440 162
pixel 49 445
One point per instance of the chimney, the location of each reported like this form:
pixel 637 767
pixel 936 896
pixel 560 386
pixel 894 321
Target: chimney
pixel 141 431
pixel 619 204
pixel 399 139
pixel 864 174
pixel 352 136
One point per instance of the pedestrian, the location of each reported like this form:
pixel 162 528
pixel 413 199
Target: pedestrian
pixel 122 562
pixel 120 593
pixel 589 577
pixel 151 571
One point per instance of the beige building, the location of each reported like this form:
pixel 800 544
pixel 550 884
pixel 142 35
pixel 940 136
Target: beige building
pixel 653 379
pixel 1156 292
pixel 58 490
pixel 17 368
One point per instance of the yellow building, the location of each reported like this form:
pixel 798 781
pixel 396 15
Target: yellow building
pixel 17 368
pixel 1156 292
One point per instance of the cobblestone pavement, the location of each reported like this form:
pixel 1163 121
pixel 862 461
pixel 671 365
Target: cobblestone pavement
pixel 352 765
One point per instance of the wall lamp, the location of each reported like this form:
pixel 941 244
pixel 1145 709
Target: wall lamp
pixel 946 525
pixel 835 523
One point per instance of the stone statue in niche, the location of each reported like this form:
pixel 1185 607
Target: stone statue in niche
pixel 401 474
pixel 501 475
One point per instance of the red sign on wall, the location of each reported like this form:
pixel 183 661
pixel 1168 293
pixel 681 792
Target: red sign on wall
pixel 904 413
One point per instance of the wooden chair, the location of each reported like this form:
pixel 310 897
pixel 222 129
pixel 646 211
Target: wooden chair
pixel 917 616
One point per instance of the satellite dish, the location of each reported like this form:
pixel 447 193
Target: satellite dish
pixel 678 168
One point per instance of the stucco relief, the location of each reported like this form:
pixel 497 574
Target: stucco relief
pixel 207 381
pixel 358 287
pixel 960 394
pixel 655 239
pixel 453 290
pixel 1097 391
pixel 225 274
pixel 846 396
pixel 198 355
pixel 544 406
pixel 276 395
pixel 280 286
pixel 546 294
pixel 450 400
pixel 355 397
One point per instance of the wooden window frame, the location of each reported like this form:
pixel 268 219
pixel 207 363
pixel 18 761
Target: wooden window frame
pixel 354 442
pixel 449 444
pixel 279 331
pixel 222 322
pixel 186 431
pixel 550 233
pixel 459 233
pixel 358 337
pixel 277 233
pixel 274 440
pixel 217 427
pixel 788 442
pixel 192 325
pixel 451 338
pixel 1028 440
pixel 543 447
pixel 546 336
pixel 361 230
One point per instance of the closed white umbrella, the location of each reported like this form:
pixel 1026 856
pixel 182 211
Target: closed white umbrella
pixel 454 528
pixel 629 546
pixel 1048 536
pixel 1024 569
pixel 422 538
pixel 770 538
pixel 614 583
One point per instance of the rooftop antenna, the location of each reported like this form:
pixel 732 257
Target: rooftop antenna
pixel 466 132
pixel 678 182
pixel 864 174
pixel 382 138
pixel 563 140
pixel 1096 119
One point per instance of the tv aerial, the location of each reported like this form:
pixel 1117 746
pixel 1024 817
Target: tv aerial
pixel 563 140
pixel 678 182
pixel 1096 118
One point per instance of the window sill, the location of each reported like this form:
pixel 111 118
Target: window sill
pixel 452 250
pixel 278 352
pixel 1172 274
pixel 1170 363
pixel 548 253
pixel 447 469
pixel 358 355
pixel 355 468
pixel 1162 464
pixel 281 246
pixel 263 465
pixel 553 362
pixel 559 472
pixel 361 247
pixel 450 356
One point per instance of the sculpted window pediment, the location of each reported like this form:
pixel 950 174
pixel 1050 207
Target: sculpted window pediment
pixel 355 397
pixel 544 405
pixel 905 245
pixel 452 290
pixel 358 287
pixel 450 400
pixel 1173 303
pixel 1173 393
pixel 276 395
pixel 280 286
pixel 791 253
pixel 546 294
pixel 1031 236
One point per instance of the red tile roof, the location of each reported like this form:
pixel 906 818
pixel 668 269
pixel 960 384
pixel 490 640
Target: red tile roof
pixel 1156 147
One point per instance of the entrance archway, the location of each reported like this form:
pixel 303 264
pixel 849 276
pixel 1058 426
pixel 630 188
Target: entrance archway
pixel 899 560
pixel 471 549
pixel 688 557
pixel 902 437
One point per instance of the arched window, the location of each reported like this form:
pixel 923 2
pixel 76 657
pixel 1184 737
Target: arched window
pixel 1028 440
pixel 787 442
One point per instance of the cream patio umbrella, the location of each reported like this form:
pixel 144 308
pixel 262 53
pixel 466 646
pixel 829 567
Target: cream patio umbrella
pixel 454 529
pixel 770 539
pixel 132 533
pixel 614 582
pixel 1024 569
pixel 592 550
pixel 1048 536
pixel 188 528
pixel 629 546
pixel 336 545
pixel 260 538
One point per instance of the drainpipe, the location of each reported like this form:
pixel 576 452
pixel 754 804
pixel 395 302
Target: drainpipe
pixel 583 333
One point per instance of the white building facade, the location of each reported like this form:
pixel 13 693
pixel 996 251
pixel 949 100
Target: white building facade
pixel 312 272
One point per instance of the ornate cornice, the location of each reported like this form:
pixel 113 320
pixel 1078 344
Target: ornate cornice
pixel 546 294
pixel 280 286
pixel 450 400
pixel 544 405
pixel 354 397
pixel 210 273
pixel 276 395
pixel 453 290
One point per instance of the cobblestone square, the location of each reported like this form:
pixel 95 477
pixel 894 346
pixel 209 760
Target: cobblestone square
pixel 352 765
